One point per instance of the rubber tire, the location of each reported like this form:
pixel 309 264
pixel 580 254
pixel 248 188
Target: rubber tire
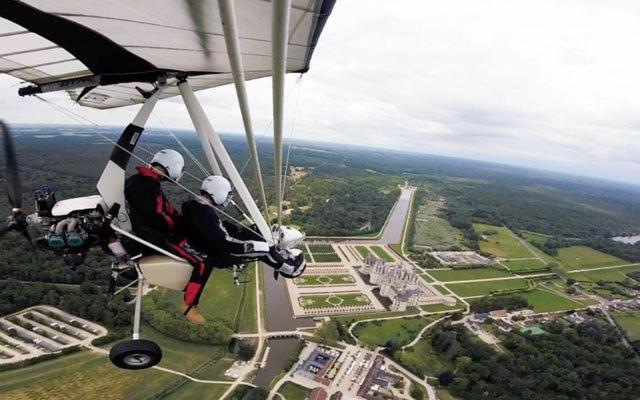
pixel 145 352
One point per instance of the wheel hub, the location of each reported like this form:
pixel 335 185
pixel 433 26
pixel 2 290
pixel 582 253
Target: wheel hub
pixel 137 359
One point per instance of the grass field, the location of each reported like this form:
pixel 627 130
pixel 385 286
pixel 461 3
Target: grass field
pixel 485 288
pixel 341 300
pixel 433 308
pixel 196 390
pixel 448 275
pixel 322 280
pixel 427 278
pixel 500 242
pixel 535 238
pixel 349 319
pixel 321 249
pixel 630 323
pixel 182 356
pixel 221 299
pixel 581 257
pixel 363 251
pixel 401 331
pixel 381 253
pixel 82 375
pixel 423 358
pixel 541 300
pixel 521 265
pixel 293 391
pixel 612 274
pixel 433 232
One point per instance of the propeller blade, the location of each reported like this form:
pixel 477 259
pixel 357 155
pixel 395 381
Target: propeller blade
pixel 14 185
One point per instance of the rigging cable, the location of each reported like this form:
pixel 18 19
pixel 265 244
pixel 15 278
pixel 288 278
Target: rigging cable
pixel 185 149
pixel 79 119
pixel 293 125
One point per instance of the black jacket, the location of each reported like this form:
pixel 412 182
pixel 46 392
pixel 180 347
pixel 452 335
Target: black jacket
pixel 152 217
pixel 222 242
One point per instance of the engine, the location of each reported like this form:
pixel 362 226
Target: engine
pixel 68 227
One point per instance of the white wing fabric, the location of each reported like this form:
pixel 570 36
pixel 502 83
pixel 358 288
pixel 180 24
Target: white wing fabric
pixel 128 42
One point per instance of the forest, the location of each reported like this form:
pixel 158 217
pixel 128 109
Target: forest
pixel 560 365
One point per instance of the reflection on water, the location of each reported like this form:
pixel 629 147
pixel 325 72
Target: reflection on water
pixel 279 313
pixel 627 239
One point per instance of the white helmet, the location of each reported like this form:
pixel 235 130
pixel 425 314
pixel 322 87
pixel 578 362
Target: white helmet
pixel 219 188
pixel 170 160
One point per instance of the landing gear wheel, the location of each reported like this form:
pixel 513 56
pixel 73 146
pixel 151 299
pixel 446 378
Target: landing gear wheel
pixel 135 354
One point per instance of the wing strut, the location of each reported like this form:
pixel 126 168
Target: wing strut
pixel 279 32
pixel 230 27
pixel 199 118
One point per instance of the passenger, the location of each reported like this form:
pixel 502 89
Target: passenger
pixel 224 244
pixel 153 219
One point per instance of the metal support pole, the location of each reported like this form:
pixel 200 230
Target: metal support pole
pixel 200 118
pixel 111 183
pixel 279 40
pixel 230 28
pixel 136 313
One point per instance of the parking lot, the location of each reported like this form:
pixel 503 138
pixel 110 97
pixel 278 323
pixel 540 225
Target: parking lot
pixel 41 330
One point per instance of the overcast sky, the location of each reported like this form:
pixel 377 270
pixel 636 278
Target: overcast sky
pixel 548 84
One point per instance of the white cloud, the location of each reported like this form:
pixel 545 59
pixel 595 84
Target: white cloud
pixel 548 84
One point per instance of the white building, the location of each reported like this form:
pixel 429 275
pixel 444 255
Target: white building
pixel 401 284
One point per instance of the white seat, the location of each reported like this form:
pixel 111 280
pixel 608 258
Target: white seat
pixel 165 271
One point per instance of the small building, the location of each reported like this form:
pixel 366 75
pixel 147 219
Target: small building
pixel 480 317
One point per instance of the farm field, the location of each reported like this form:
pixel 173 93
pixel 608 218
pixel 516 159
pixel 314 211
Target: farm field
pixel 630 323
pixel 222 299
pixel 581 257
pixel 334 300
pixel 323 280
pixel 381 253
pixel 82 375
pixel 433 232
pixel 448 275
pixel 293 391
pixel 541 300
pixel 401 331
pixel 500 242
pixel 485 288
pixel 611 274
pixel 521 265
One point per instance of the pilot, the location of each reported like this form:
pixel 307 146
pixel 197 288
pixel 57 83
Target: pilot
pixel 153 219
pixel 224 244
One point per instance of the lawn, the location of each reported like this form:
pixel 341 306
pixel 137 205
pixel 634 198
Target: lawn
pixel 427 278
pixel 581 257
pixel 382 254
pixel 339 300
pixel 500 242
pixel 401 331
pixel 319 258
pixel 523 265
pixel 448 275
pixel 612 274
pixel 541 300
pixel 320 249
pixel 630 323
pixel 82 375
pixel 433 308
pixel 423 359
pixel 196 390
pixel 348 320
pixel 485 288
pixel 222 299
pixel 363 251
pixel 323 280
pixel 293 391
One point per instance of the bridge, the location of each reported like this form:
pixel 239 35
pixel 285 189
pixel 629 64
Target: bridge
pixel 272 335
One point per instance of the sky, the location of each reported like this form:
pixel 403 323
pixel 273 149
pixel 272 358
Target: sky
pixel 544 84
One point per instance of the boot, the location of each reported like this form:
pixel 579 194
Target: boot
pixel 193 316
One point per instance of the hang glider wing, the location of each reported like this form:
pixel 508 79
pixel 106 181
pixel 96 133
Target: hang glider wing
pixel 107 53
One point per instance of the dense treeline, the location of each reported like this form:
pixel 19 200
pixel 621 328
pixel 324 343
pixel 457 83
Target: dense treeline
pixel 88 301
pixel 585 361
pixel 171 323
pixel 510 303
